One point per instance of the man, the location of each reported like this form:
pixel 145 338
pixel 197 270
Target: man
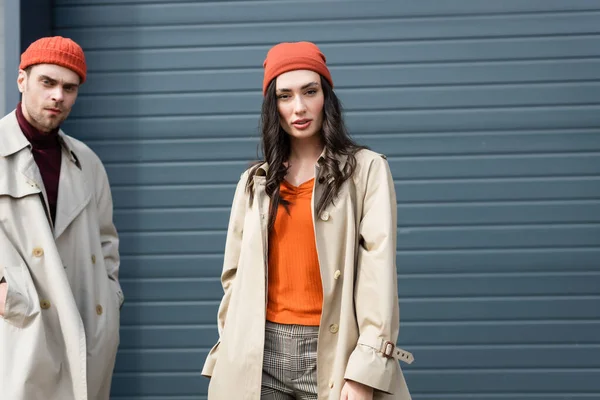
pixel 59 260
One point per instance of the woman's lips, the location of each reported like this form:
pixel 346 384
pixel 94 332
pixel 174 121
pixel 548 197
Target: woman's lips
pixel 302 124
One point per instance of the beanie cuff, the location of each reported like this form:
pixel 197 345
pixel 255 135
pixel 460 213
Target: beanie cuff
pixel 42 53
pixel 297 63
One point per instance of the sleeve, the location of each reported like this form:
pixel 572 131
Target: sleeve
pixel 108 233
pixel 233 246
pixel 376 288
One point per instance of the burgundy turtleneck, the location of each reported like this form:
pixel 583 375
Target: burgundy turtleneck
pixel 47 155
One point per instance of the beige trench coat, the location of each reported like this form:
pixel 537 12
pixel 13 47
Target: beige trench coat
pixel 356 245
pixel 60 331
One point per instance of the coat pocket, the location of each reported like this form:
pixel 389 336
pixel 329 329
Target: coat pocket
pixel 21 299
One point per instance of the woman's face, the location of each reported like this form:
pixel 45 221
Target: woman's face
pixel 300 101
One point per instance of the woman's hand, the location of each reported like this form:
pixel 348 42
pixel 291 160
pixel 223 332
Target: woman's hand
pixel 356 391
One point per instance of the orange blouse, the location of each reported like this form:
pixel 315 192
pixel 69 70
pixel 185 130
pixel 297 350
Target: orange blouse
pixel 295 290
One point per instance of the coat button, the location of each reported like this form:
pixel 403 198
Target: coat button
pixel 45 304
pixel 99 309
pixel 325 216
pixel 330 384
pixel 337 274
pixel 334 328
pixel 38 252
pixel 93 259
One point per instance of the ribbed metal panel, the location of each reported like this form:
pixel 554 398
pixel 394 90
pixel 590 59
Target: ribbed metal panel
pixel 488 113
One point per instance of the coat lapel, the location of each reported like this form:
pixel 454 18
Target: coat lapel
pixel 33 179
pixel 74 192
pixel 322 181
pixel 260 180
pixel 32 174
pixel 263 208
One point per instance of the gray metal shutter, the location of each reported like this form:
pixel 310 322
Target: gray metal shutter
pixel 488 113
pixel 2 63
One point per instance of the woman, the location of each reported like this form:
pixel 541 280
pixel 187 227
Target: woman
pixel 310 309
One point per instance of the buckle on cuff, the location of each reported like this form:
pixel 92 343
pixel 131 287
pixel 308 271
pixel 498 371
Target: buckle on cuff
pixel 387 349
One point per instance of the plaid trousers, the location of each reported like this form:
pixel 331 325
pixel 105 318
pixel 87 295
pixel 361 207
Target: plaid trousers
pixel 290 362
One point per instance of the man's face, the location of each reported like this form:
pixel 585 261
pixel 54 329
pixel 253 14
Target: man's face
pixel 48 93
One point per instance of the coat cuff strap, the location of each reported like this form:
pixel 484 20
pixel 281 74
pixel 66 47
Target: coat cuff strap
pixel 388 349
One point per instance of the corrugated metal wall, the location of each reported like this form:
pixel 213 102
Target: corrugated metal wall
pixel 488 112
pixel 2 63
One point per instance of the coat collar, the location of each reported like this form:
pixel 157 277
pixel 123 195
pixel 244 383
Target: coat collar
pixel 264 167
pixel 67 145
pixel 12 139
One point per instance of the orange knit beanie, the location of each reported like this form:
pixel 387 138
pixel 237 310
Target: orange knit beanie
pixel 55 50
pixel 285 57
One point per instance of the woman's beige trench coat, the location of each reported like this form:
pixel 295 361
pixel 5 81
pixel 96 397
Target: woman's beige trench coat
pixel 356 245
pixel 60 331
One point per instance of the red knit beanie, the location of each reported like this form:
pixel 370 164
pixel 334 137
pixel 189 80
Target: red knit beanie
pixel 55 50
pixel 285 57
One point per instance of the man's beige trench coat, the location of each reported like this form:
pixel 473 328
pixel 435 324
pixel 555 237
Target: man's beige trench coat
pixel 60 331
pixel 356 245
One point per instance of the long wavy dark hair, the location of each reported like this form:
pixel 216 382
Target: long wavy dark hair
pixel 276 148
